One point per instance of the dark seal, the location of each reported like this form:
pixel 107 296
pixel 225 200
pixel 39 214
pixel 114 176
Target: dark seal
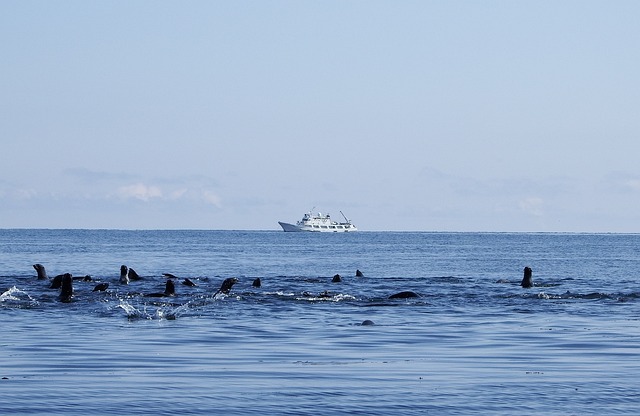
pixel 42 273
pixel 169 290
pixel 133 275
pixel 226 286
pixel 527 281
pixel 56 282
pixel 101 287
pixel 124 277
pixel 85 278
pixel 404 295
pixel 66 291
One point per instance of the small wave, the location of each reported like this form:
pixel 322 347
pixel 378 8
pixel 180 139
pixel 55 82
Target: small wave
pixel 152 311
pixel 222 296
pixel 280 293
pixel 326 297
pixel 573 296
pixel 15 297
pixel 130 310
pixel 344 296
pixel 594 295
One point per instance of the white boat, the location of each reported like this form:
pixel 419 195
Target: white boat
pixel 319 223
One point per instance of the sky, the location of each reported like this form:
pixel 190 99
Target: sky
pixel 497 116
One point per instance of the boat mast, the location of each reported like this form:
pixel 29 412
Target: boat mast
pixel 345 218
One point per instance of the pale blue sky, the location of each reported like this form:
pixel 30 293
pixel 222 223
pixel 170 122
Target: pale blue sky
pixel 405 115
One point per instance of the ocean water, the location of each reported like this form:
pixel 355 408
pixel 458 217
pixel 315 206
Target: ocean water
pixel 473 342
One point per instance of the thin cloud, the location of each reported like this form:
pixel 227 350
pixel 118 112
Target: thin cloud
pixel 212 198
pixel 178 193
pixel 623 182
pixel 139 191
pixel 126 186
pixel 24 194
pixel 633 184
pixel 532 206
pixel 149 193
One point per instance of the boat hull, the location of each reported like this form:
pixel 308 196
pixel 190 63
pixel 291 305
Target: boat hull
pixel 290 228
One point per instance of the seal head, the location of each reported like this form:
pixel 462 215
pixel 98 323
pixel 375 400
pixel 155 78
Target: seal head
pixel 226 286
pixel 42 273
pixel 124 277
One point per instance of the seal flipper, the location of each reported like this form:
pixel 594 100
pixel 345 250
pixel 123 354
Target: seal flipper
pixel 132 275
pixel 188 282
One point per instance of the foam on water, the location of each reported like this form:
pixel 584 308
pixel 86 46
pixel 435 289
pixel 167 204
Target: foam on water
pixel 17 298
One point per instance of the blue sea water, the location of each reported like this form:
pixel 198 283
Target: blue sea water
pixel 474 342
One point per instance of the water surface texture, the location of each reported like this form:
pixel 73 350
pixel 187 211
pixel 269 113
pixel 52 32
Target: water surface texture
pixel 473 342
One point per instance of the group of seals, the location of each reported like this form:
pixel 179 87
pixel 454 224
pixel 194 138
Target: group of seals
pixel 186 281
pixel 64 282
pixel 527 282
pixel 337 278
pixel 127 274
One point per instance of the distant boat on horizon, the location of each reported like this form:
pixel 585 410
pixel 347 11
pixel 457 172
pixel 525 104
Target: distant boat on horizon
pixel 320 224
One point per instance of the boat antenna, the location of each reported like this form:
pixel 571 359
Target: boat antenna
pixel 345 218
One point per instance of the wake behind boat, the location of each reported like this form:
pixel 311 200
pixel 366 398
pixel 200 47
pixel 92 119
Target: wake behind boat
pixel 319 223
